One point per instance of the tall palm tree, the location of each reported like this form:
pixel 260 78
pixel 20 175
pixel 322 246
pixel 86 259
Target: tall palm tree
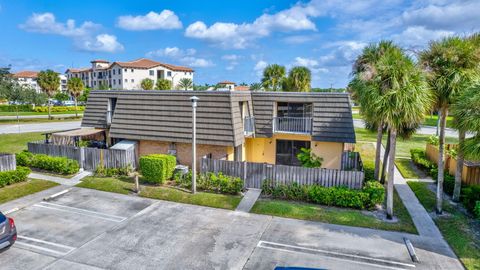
pixel 147 84
pixel 273 77
pixel 75 88
pixel 49 82
pixel 299 79
pixel 255 86
pixel 185 83
pixel 449 65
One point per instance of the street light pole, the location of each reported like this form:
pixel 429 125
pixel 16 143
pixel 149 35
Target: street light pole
pixel 194 100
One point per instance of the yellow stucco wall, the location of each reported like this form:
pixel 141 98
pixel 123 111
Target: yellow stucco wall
pixel 230 153
pixel 263 149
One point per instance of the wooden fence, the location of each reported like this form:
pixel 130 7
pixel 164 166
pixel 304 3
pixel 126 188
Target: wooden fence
pixel 351 161
pixel 471 169
pixel 88 158
pixel 7 162
pixel 253 174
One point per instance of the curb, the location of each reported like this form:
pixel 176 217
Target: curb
pixel 56 195
pixel 411 250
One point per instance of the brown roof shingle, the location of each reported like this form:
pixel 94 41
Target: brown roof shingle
pixel 26 74
pixel 147 63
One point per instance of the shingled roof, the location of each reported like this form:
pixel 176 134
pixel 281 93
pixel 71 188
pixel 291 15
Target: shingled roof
pixel 147 63
pixel 26 74
pixel 166 115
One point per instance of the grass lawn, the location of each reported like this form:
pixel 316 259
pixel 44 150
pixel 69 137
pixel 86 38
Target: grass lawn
pixel 404 165
pixel 455 227
pixel 37 120
pixel 15 191
pixel 403 146
pixel 125 186
pixel 349 217
pixel 430 120
pixel 14 143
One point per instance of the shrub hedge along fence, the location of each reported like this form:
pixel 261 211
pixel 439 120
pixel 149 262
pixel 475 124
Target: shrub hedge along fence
pixel 157 168
pixel 215 182
pixel 29 108
pixel 61 165
pixel 16 176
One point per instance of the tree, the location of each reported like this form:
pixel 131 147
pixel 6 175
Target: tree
pixel 185 84
pixel 163 84
pixel 449 65
pixel 49 82
pixel 102 86
pixel 60 96
pixel 84 96
pixel 255 86
pixel 147 84
pixel 75 88
pixel 299 79
pixel 273 77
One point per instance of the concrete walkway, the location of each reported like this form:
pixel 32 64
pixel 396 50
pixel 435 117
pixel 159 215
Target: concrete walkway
pixel 54 116
pixel 38 127
pixel 62 181
pixel 248 200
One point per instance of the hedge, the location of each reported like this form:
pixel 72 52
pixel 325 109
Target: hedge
pixel 218 183
pixel 61 165
pixel 109 172
pixel 16 176
pixel 157 168
pixel 371 194
pixel 13 108
pixel 59 108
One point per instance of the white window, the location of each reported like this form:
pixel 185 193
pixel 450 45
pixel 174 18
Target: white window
pixel 132 69
pixel 114 72
pixel 152 72
pixel 119 71
pixel 126 80
pixel 169 73
pixel 119 81
pixel 133 80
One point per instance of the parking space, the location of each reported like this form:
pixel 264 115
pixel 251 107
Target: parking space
pixel 88 229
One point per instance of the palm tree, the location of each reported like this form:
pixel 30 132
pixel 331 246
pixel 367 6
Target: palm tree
pixel 299 79
pixel 185 83
pixel 75 88
pixel 273 76
pixel 49 82
pixel 163 84
pixel 147 84
pixel 255 86
pixel 449 65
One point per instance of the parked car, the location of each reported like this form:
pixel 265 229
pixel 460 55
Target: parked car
pixel 8 231
pixel 68 103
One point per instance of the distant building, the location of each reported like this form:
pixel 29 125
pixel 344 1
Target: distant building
pixel 128 75
pixel 242 88
pixel 29 78
pixel 226 85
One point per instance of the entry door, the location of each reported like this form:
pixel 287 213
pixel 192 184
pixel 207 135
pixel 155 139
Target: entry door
pixel 287 151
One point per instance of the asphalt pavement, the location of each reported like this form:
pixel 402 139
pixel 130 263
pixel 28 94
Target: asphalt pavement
pixel 38 127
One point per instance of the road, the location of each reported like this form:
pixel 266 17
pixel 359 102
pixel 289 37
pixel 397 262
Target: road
pixel 13 117
pixel 89 229
pixel 38 127
pixel 426 130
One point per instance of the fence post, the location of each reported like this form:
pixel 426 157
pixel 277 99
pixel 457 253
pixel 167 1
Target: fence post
pixel 82 158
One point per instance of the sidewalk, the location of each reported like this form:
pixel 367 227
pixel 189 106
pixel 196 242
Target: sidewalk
pixel 62 181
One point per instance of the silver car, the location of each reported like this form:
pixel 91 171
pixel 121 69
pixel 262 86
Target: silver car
pixel 8 231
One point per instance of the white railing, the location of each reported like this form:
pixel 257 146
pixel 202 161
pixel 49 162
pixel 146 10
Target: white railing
pixel 302 125
pixel 249 125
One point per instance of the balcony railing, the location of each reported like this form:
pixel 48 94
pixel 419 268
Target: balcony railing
pixel 108 118
pixel 295 125
pixel 249 125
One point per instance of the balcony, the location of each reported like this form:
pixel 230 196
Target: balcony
pixel 249 126
pixel 292 125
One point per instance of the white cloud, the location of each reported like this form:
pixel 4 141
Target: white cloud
pixel 419 36
pixel 231 57
pixel 186 57
pixel 166 19
pixel 259 67
pixel 84 36
pixel 311 64
pixel 101 43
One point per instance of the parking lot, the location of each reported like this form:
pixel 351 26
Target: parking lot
pixel 87 229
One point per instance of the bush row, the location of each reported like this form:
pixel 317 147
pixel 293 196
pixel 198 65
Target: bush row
pixel 16 176
pixel 58 108
pixel 13 108
pixel 61 165
pixel 113 172
pixel 219 183
pixel 157 168
pixel 371 194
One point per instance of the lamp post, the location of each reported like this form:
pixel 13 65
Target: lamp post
pixel 194 100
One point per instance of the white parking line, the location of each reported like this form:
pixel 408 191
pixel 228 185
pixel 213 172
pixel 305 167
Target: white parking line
pixel 42 245
pixel 342 256
pixel 80 211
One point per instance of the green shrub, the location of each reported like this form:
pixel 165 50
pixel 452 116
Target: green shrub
pixel 58 108
pixel 476 210
pixel 218 183
pixel 110 172
pixel 433 140
pixel 61 165
pixel 371 194
pixel 16 176
pixel 420 159
pixel 309 159
pixel 157 168
pixel 13 108
pixel 470 196
pixel 369 170
pixel 448 183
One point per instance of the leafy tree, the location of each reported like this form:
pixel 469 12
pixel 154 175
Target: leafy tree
pixel 49 82
pixel 147 84
pixel 185 83
pixel 450 66
pixel 84 96
pixel 163 84
pixel 243 84
pixel 299 79
pixel 60 96
pixel 255 86
pixel 201 87
pixel 273 77
pixel 75 88
pixel 34 98
pixel 309 159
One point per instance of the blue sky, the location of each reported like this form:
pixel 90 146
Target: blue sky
pixel 223 40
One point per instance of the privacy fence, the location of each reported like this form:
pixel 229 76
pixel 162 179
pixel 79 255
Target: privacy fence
pixel 253 174
pixel 88 158
pixel 7 162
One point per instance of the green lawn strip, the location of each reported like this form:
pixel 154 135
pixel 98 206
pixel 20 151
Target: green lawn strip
pixel 430 120
pixel 37 113
pixel 455 227
pixel 15 191
pixel 14 143
pixel 125 186
pixel 405 167
pixel 349 217
pixel 38 120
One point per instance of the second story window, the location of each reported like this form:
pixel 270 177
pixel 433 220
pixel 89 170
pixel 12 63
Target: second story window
pixel 152 72
pixel 169 74
pixel 126 80
pixel 133 80
pixel 288 109
pixel 119 71
pixel 131 70
pixel 125 70
pixel 113 72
